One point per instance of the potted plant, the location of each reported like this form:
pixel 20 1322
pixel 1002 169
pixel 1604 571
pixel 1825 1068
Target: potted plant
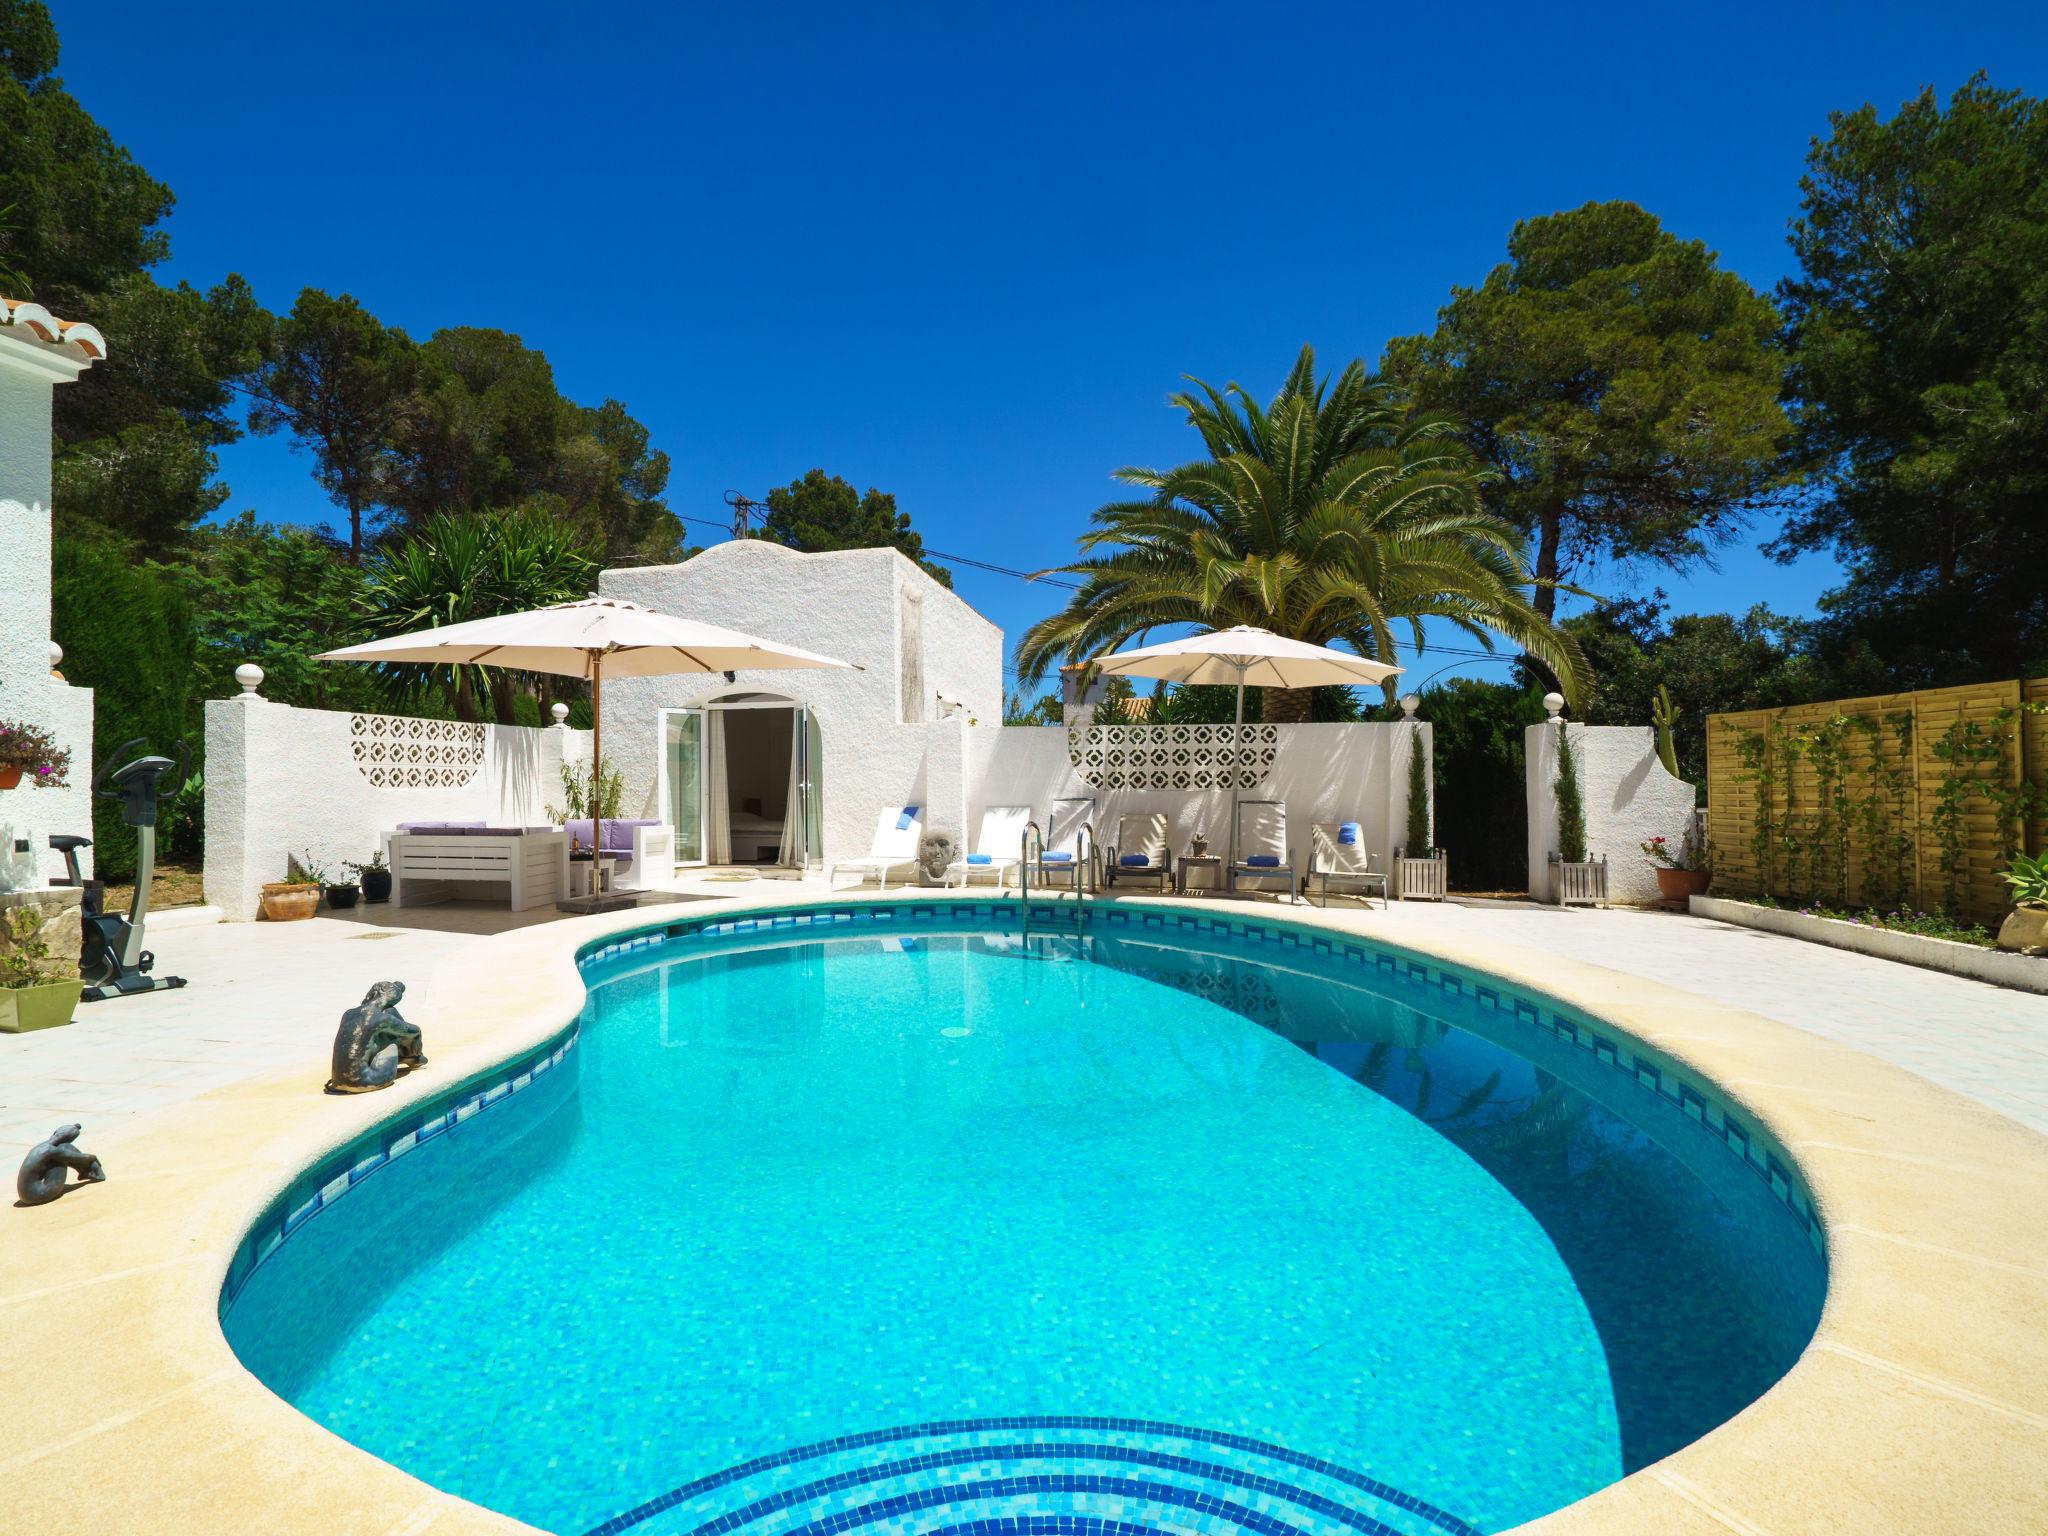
pixel 1682 873
pixel 342 894
pixel 32 752
pixel 1421 872
pixel 297 895
pixel 374 877
pixel 1581 880
pixel 35 991
pixel 2026 926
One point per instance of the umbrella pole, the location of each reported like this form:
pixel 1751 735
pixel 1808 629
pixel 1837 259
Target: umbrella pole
pixel 1236 765
pixel 596 776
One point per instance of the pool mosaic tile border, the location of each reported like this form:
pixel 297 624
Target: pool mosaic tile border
pixel 1694 1097
pixel 347 1167
pixel 1018 1497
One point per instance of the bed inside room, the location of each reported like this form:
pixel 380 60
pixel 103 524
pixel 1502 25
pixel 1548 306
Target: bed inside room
pixel 751 766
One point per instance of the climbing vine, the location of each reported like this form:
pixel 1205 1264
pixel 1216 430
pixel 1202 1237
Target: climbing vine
pixel 1881 811
pixel 1761 762
pixel 1827 749
pixel 1974 757
pixel 1871 806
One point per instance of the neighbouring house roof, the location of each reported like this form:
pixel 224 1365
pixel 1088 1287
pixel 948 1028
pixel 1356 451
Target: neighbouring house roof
pixel 25 315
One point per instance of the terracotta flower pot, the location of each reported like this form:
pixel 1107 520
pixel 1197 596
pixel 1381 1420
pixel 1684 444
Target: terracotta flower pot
pixel 1678 884
pixel 10 776
pixel 2024 928
pixel 42 1006
pixel 284 903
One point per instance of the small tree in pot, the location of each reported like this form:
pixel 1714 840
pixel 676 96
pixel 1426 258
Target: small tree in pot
pixel 1580 881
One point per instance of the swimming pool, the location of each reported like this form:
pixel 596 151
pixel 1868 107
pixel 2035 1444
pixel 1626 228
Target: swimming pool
pixel 888 1216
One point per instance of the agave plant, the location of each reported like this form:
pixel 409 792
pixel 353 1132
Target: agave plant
pixel 1333 515
pixel 2028 878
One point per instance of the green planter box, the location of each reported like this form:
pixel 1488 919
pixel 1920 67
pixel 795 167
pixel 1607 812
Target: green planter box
pixel 43 1006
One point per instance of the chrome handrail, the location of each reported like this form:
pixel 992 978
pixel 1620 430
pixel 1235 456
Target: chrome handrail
pixel 1084 849
pixel 1031 833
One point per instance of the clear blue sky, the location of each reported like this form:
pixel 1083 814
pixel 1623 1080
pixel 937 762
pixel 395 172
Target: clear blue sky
pixel 963 253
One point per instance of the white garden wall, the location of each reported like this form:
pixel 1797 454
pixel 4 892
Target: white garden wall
pixel 1323 772
pixel 29 370
pixel 281 781
pixel 1629 799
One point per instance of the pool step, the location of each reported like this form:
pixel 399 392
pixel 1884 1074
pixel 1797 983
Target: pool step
pixel 1067 1476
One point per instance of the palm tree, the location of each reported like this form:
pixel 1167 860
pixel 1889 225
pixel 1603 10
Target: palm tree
pixel 473 565
pixel 1333 515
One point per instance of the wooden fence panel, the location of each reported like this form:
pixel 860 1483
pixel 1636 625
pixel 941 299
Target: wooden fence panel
pixel 1843 800
pixel 2034 760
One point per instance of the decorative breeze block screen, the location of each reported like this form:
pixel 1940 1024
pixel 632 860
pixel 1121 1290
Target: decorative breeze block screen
pixel 1171 756
pixel 400 752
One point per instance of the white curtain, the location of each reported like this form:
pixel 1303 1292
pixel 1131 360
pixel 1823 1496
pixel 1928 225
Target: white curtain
pixel 717 799
pixel 793 803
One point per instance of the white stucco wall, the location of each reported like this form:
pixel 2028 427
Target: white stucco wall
pixel 1629 800
pixel 29 371
pixel 1323 773
pixel 843 604
pixel 281 781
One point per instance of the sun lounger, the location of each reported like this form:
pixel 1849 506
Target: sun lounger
pixel 997 851
pixel 1262 849
pixel 1337 853
pixel 1062 860
pixel 1140 851
pixel 898 833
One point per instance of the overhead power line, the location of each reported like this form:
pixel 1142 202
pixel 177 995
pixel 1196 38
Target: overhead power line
pixel 1046 581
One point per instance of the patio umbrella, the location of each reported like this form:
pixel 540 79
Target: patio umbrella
pixel 1241 655
pixel 594 638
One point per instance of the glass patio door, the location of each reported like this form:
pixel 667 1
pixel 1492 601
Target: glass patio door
pixel 682 778
pixel 811 784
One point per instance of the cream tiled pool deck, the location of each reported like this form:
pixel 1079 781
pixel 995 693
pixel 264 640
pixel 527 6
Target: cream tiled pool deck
pixel 1912 1102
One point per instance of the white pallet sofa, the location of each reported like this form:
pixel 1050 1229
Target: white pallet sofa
pixel 444 861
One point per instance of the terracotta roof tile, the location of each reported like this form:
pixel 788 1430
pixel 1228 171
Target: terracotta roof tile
pixel 26 314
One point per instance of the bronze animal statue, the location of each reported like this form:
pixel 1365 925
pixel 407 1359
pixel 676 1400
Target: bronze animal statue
pixel 41 1179
pixel 374 1042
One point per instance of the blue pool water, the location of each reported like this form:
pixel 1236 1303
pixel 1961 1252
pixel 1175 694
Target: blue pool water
pixel 915 1233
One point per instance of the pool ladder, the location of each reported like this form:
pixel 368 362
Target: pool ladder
pixel 1030 851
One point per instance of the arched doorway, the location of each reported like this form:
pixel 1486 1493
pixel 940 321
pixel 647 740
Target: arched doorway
pixel 741 780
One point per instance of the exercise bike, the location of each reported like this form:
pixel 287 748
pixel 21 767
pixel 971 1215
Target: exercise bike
pixel 112 960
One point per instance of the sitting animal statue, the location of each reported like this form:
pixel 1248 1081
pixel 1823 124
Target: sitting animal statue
pixel 374 1041
pixel 41 1179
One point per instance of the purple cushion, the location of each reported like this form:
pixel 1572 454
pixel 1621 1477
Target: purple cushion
pixel 618 834
pixel 438 826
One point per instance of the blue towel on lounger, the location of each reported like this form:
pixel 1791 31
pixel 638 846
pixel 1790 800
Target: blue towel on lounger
pixel 1056 858
pixel 909 815
pixel 979 858
pixel 1134 861
pixel 1347 831
pixel 1264 861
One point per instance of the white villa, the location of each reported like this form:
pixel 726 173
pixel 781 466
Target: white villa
pixel 780 770
pixel 774 771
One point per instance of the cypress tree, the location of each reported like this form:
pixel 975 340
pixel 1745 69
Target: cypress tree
pixel 1571 804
